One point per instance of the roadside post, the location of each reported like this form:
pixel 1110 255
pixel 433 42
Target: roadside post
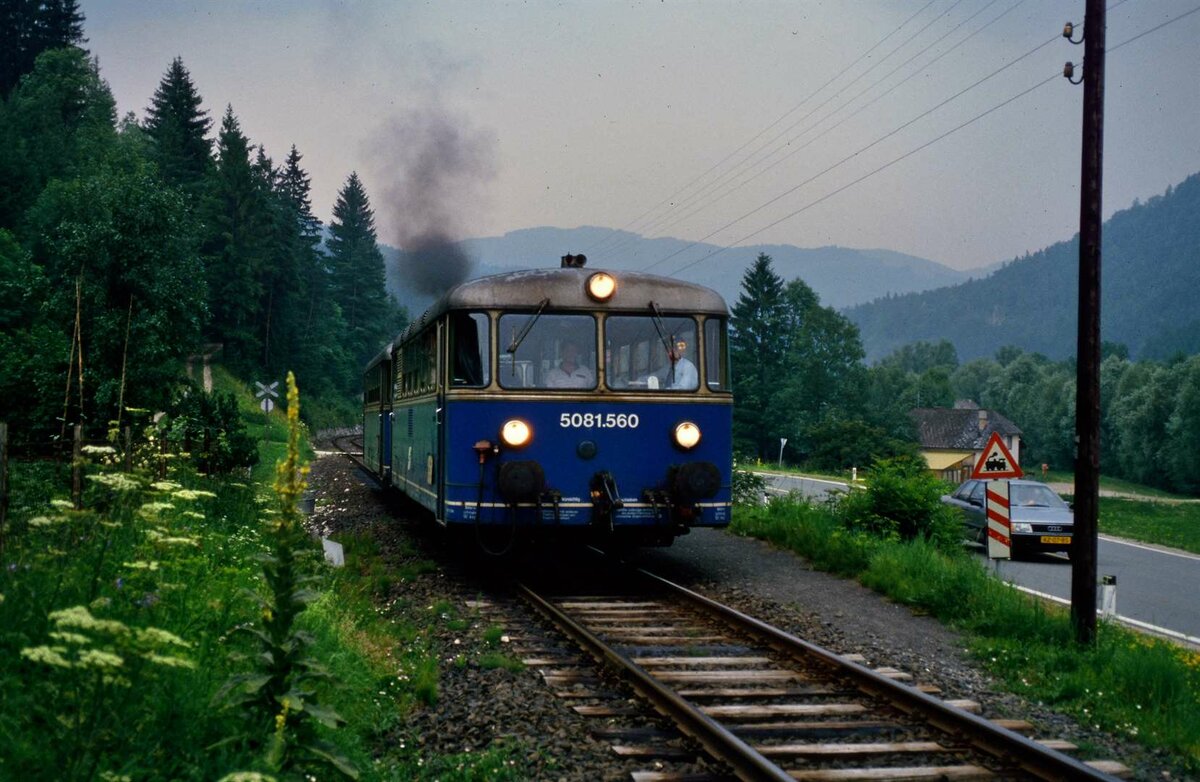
pixel 997 466
pixel 1108 596
pixel 782 442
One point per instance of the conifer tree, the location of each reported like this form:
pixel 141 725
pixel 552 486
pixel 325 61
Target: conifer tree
pixel 30 27
pixel 317 323
pixel 295 184
pixel 236 248
pixel 357 273
pixel 178 128
pixel 756 351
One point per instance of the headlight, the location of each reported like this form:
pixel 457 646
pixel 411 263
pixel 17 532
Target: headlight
pixel 687 434
pixel 601 286
pixel 516 433
pixel 1022 527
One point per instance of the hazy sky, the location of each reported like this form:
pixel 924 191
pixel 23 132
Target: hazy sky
pixel 507 115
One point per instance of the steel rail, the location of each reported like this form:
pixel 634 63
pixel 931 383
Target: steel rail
pixel 1006 745
pixel 747 763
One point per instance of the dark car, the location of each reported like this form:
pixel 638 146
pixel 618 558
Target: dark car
pixel 1041 520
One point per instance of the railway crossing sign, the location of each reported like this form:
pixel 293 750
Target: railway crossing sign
pixel 268 395
pixel 999 521
pixel 996 462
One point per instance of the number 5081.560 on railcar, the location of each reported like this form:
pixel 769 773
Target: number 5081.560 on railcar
pixel 562 401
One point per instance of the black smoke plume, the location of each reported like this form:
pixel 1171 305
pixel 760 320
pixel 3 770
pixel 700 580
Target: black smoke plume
pixel 438 167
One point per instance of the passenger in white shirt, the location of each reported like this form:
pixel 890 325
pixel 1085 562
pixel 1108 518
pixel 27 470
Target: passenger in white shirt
pixel 570 373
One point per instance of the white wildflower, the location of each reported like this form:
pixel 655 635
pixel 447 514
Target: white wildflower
pixel 116 481
pixel 47 656
pixel 168 661
pixel 150 510
pixel 96 658
pixel 158 636
pixel 81 619
pixel 193 494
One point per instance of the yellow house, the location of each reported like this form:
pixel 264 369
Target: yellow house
pixel 953 438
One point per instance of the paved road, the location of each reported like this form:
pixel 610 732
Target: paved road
pixel 1156 587
pixel 817 488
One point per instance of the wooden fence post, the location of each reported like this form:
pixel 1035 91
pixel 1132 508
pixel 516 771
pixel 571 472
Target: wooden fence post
pixel 128 449
pixel 77 468
pixel 3 481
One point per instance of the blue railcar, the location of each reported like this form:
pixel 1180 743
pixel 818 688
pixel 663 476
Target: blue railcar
pixel 562 402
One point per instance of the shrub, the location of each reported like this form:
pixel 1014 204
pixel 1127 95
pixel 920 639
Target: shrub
pixel 210 429
pixel 748 487
pixel 902 502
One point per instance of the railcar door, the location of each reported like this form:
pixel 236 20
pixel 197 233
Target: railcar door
pixel 440 437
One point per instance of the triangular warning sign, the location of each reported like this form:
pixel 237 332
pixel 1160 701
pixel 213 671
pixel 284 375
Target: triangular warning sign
pixel 996 462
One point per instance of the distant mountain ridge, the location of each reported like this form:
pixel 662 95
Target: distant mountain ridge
pixel 842 276
pixel 1149 292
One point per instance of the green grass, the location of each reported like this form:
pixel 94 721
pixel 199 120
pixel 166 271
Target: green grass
pixel 1107 483
pixel 104 692
pixel 1145 689
pixel 1176 525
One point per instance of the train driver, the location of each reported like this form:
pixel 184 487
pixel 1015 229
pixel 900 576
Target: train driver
pixel 685 377
pixel 570 373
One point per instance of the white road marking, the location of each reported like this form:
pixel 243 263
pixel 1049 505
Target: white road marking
pixel 1155 549
pixel 1125 620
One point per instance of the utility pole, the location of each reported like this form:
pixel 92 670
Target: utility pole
pixel 1087 382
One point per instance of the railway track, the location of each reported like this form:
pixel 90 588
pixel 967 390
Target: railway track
pixel 774 707
pixel 764 704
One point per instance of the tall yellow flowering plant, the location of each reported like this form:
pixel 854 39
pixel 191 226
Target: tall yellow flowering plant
pixel 279 700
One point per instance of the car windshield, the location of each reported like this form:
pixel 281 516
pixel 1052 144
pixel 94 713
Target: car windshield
pixel 1034 495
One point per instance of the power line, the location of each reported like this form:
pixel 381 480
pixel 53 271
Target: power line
pixel 884 167
pixel 923 69
pixel 815 109
pixel 928 144
pixel 858 152
pixel 780 119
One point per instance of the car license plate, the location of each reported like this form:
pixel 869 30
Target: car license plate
pixel 1063 539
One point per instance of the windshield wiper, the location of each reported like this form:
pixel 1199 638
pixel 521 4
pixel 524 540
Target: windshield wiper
pixel 519 338
pixel 668 342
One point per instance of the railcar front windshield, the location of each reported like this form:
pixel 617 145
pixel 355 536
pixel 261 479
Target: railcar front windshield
pixel 648 353
pixel 547 350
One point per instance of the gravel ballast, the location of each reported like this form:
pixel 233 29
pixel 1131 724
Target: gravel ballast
pixel 477 706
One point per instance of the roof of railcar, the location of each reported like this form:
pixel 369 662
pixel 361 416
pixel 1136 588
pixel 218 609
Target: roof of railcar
pixel 566 289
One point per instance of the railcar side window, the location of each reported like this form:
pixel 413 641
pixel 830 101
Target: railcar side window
pixel 371 385
pixel 469 341
pixel 548 351
pixel 416 369
pixel 716 353
pixel 645 354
